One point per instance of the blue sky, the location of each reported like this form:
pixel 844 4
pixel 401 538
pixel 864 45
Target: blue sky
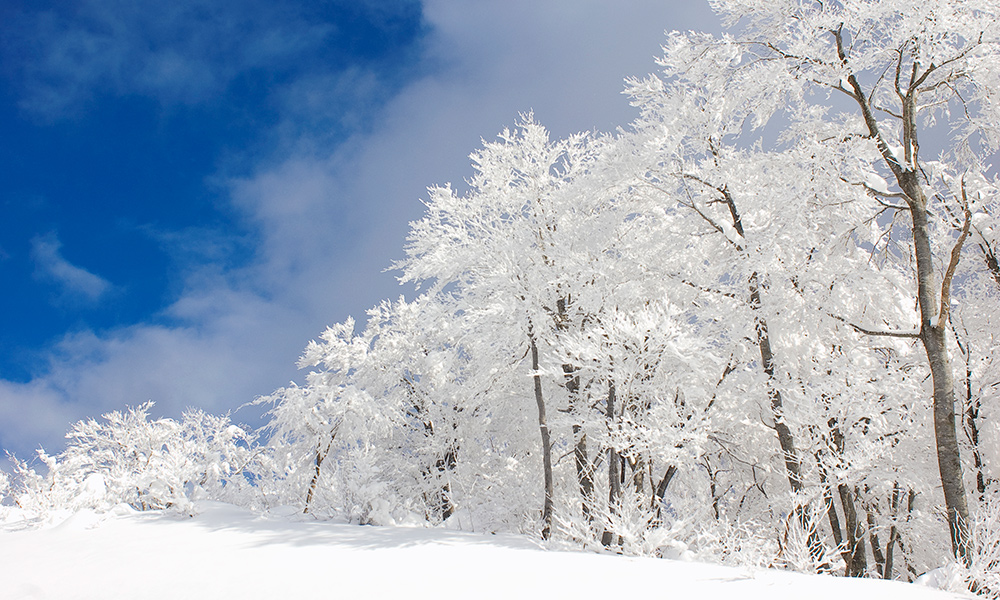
pixel 191 192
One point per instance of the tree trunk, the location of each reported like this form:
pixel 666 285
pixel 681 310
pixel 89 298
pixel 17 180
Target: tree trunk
pixel 785 440
pixel 614 467
pixel 972 407
pixel 668 476
pixel 546 441
pixel 793 464
pixel 440 501
pixel 893 532
pixel 933 321
pixel 444 465
pixel 854 554
pixel 972 422
pixel 320 457
pixel 933 330
pixel 992 263
pixel 638 465
pixel 876 545
pixel 831 508
pixel 584 473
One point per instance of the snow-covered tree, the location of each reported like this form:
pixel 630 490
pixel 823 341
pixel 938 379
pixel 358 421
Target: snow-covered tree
pixel 893 70
pixel 147 464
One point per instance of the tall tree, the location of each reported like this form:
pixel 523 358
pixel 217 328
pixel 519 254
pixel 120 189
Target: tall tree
pixel 903 65
pixel 495 248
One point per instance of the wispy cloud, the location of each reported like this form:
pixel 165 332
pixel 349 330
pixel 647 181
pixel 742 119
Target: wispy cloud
pixel 74 282
pixel 319 108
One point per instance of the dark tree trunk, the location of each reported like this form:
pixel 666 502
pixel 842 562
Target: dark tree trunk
pixel 546 441
pixel 793 464
pixel 893 533
pixel 614 467
pixel 990 256
pixel 444 465
pixel 933 329
pixel 972 422
pixel 637 464
pixel 831 508
pixel 440 501
pixel 793 467
pixel 854 554
pixel 584 471
pixel 661 487
pixel 876 545
pixel 933 309
pixel 854 549
pixel 972 407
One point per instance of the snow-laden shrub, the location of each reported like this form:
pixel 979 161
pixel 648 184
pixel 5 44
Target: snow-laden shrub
pixel 736 543
pixel 800 547
pixel 128 459
pixel 983 574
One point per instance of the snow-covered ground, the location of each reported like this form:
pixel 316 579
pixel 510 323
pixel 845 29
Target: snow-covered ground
pixel 226 552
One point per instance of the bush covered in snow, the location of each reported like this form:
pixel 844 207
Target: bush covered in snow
pixel 126 458
pixel 983 572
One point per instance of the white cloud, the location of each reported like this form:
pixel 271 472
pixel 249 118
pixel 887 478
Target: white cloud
pixel 319 107
pixel 328 223
pixel 38 413
pixel 76 283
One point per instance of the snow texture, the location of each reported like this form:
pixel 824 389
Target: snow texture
pixel 227 552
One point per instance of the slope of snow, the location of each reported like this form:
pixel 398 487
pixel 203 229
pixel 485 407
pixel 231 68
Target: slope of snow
pixel 226 552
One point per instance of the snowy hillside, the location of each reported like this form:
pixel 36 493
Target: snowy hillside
pixel 226 552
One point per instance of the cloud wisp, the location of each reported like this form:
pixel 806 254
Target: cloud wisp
pixel 74 283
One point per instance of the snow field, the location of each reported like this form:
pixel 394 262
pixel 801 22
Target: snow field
pixel 227 552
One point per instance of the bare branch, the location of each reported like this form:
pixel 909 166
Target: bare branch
pixel 891 206
pixel 947 81
pixel 899 69
pixel 795 57
pixel 866 111
pixel 708 219
pixel 919 81
pixel 858 328
pixel 887 111
pixel 990 255
pixel 956 254
pixel 837 87
pixel 872 332
pixel 878 83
